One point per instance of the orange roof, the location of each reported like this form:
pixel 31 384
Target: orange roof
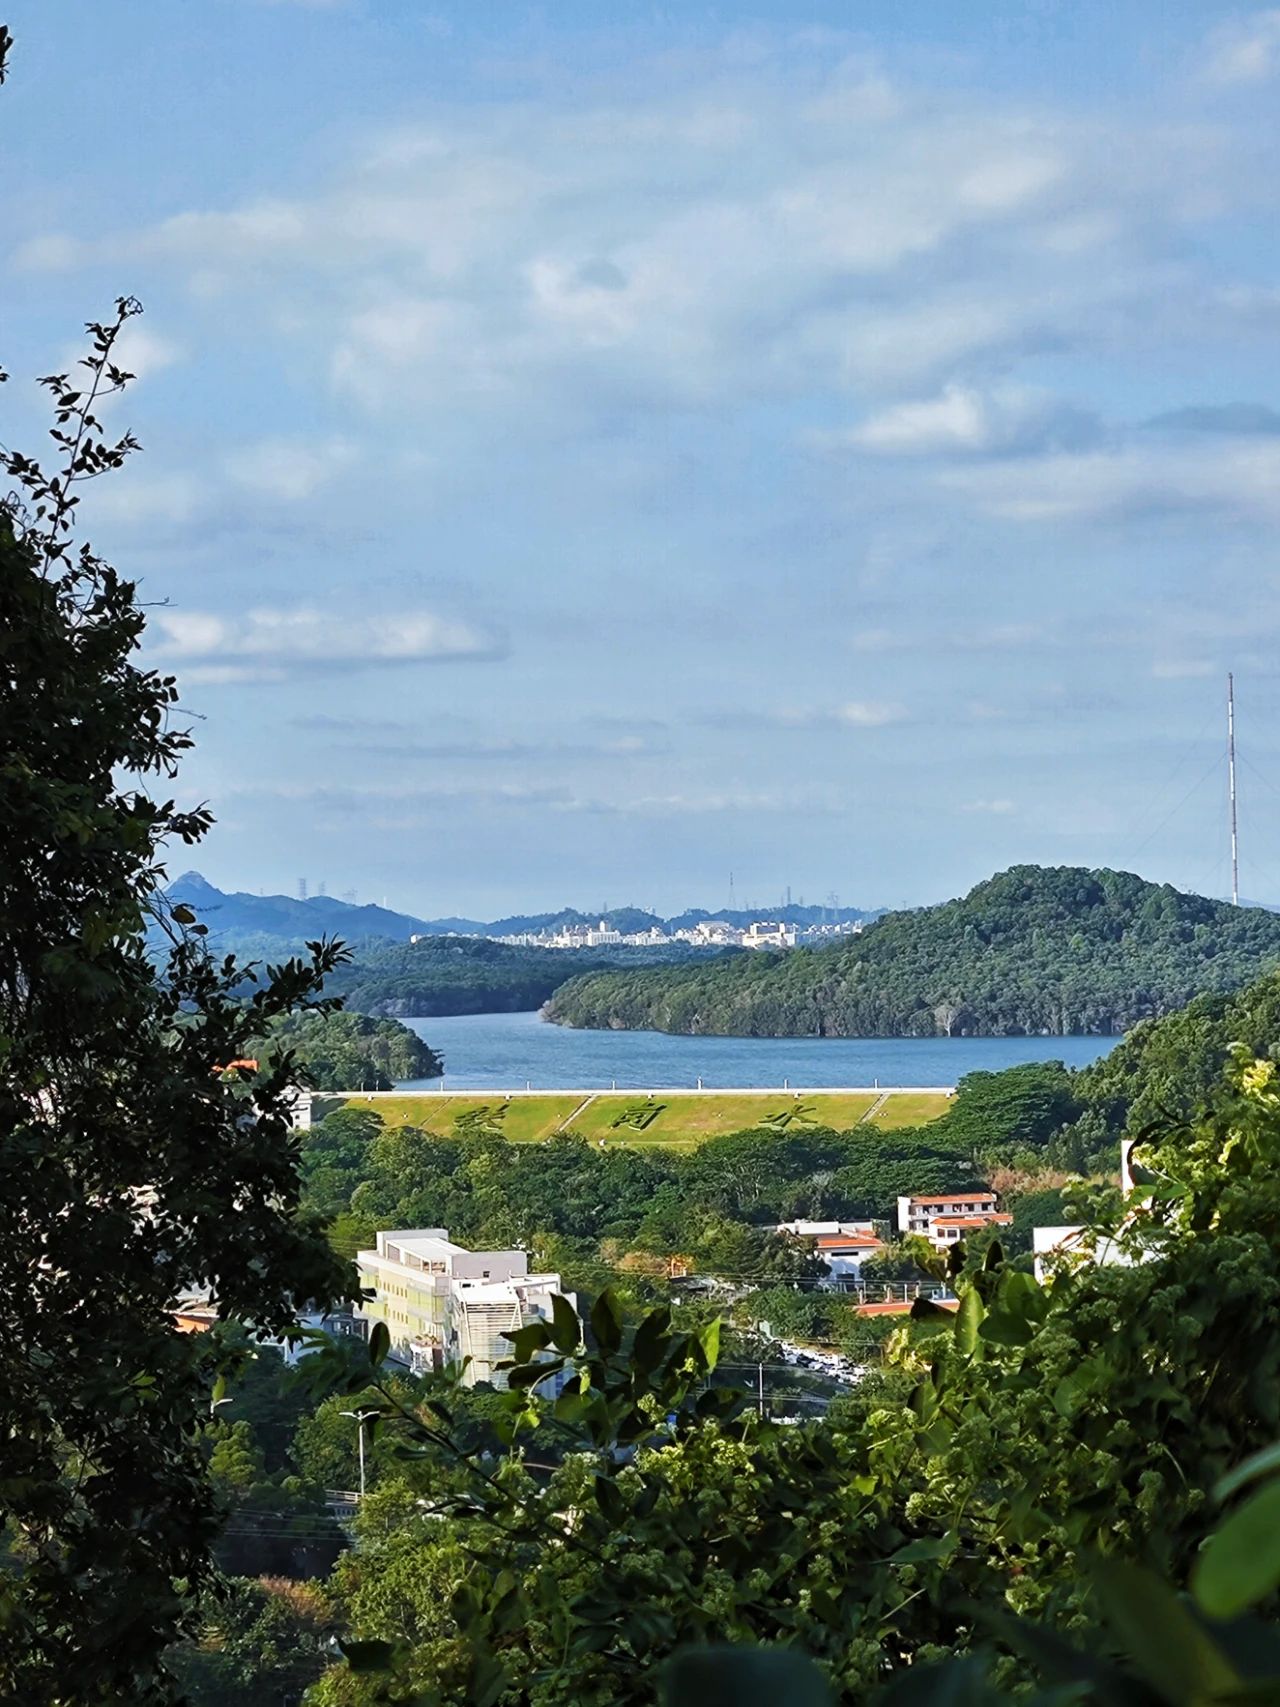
pixel 194 1321
pixel 973 1220
pixel 898 1308
pixel 849 1241
pixel 957 1197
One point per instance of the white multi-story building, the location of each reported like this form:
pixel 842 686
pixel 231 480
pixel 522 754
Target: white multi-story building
pixel 946 1218
pixel 764 933
pixel 443 1304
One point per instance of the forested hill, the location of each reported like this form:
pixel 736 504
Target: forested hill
pixel 1040 950
pixel 468 975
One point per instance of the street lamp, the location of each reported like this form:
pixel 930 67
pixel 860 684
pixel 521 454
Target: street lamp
pixel 360 1417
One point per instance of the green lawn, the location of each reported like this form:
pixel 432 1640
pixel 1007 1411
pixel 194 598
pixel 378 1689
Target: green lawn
pixel 907 1109
pixel 673 1122
pixel 525 1120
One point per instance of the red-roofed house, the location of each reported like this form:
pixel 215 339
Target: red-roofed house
pixel 845 1253
pixel 947 1217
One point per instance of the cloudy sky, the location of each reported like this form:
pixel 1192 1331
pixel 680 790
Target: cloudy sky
pixel 590 449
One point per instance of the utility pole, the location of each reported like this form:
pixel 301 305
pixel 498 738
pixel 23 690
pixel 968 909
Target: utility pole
pixel 1231 780
pixel 760 1389
pixel 360 1418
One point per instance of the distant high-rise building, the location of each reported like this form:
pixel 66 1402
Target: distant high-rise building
pixel 302 889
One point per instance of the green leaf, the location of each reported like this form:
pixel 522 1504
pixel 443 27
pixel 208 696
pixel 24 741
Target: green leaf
pixel 1260 1464
pixel 529 1374
pixel 1178 1658
pixel 566 1329
pixel 379 1344
pixel 924 1550
pixel 1058 1661
pixel 960 1682
pixel 1000 1328
pixel 707 1341
pixel 647 1347
pixel 610 1499
pixel 968 1318
pixel 743 1677
pixel 533 1337
pixel 183 915
pixel 606 1321
pixel 994 1256
pixel 924 1401
pixel 365 1657
pixel 488 1679
pixel 1021 1295
pixel 1241 1560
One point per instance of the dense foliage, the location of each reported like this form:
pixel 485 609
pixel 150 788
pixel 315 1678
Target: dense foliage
pixel 579 1206
pixel 470 975
pixel 136 1163
pixel 450 975
pixel 348 1051
pixel 1055 1439
pixel 1033 950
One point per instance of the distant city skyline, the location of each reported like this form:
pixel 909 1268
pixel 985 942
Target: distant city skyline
pixel 595 451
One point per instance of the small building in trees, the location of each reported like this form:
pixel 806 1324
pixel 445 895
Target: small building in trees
pixel 946 1218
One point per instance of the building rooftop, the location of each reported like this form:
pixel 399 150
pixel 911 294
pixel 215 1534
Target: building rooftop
pixel 957 1197
pixel 973 1220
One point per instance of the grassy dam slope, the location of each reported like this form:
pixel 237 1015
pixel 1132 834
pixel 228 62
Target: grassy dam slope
pixel 677 1120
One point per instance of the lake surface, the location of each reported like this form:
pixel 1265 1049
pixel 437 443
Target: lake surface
pixel 508 1051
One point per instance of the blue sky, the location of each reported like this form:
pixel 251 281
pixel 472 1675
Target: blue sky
pixel 593 449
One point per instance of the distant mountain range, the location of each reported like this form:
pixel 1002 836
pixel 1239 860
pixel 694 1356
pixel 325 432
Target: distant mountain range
pixel 293 921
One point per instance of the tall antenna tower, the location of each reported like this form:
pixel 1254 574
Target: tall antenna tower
pixel 1231 787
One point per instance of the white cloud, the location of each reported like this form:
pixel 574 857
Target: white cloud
pixel 797 226
pixel 996 808
pixel 1181 669
pixel 966 420
pixel 853 714
pixel 1245 51
pixel 288 469
pixel 135 497
pixel 141 352
pixel 995 637
pixel 267 644
pixel 1236 478
pixel 868 714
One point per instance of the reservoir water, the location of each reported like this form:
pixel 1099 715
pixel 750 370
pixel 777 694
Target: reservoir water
pixel 508 1051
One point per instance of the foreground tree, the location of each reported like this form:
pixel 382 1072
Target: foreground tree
pixel 136 1163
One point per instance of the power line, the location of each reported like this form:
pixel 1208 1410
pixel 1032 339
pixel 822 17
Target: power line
pixel 1174 810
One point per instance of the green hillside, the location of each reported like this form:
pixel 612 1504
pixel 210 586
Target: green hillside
pixel 1036 950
